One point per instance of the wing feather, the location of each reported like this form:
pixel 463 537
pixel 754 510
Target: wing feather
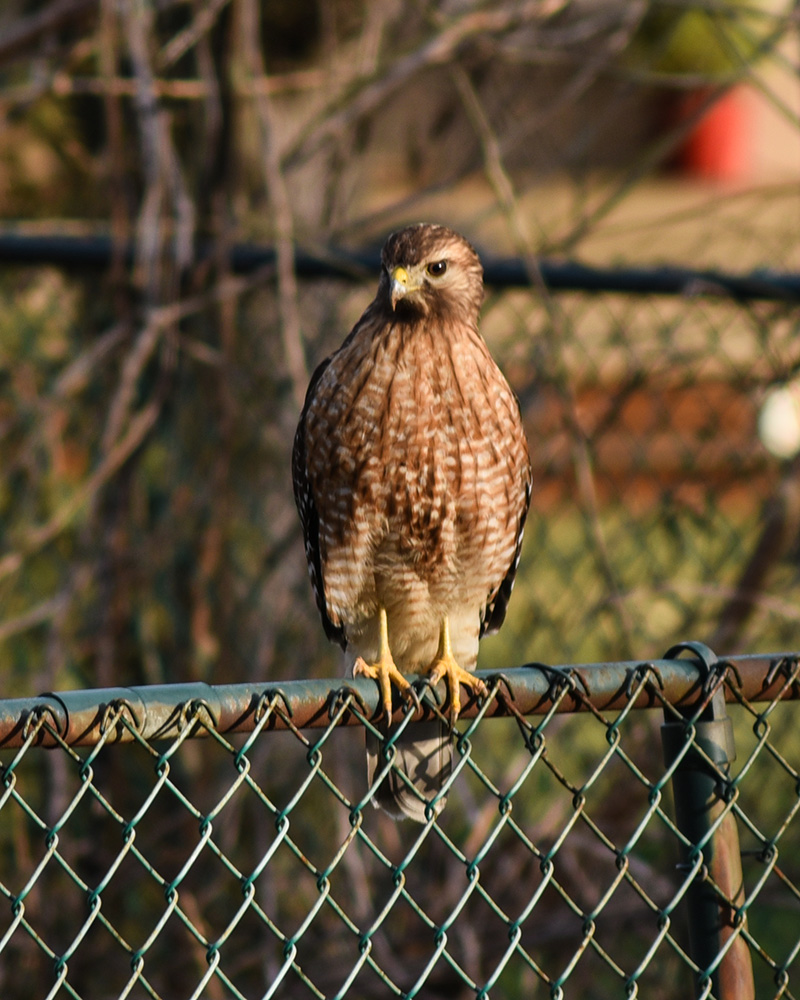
pixel 309 515
pixel 494 613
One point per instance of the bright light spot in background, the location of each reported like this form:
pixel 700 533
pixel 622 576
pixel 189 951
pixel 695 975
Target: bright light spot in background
pixel 779 421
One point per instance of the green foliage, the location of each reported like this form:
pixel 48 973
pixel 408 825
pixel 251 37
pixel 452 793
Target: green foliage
pixel 711 40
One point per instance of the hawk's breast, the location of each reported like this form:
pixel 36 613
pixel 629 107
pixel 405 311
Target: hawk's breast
pixel 419 469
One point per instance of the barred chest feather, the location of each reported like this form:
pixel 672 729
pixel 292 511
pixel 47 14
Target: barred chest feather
pixel 419 467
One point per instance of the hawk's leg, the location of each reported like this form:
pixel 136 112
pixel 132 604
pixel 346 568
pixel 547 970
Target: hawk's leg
pixel 384 671
pixel 445 666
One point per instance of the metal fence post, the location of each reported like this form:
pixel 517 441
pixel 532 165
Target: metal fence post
pixel 699 801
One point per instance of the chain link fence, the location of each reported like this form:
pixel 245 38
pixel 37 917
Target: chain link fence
pixel 142 861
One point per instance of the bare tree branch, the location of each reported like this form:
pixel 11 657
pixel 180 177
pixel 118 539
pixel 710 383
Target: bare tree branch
pixel 27 31
pixel 138 429
pixel 363 96
pixel 281 209
pixel 582 456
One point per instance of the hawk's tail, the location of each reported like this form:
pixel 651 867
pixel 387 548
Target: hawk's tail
pixel 425 758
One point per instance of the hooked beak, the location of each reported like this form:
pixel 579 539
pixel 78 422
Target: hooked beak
pixel 400 286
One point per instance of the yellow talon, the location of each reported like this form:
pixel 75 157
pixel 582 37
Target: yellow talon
pixel 384 671
pixel 445 666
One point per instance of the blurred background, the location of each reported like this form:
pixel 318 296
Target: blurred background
pixel 153 363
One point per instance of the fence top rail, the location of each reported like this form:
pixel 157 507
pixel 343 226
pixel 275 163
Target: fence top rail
pixel 164 711
pixel 97 249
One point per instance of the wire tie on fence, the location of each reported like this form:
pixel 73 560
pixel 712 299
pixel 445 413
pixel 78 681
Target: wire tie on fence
pixel 37 717
pixel 340 700
pixel 642 675
pixel 422 686
pixel 789 666
pixel 184 708
pixel 775 668
pixel 260 707
pixel 561 681
pixel 268 699
pixel 578 678
pixel 34 716
pixel 195 708
pixel 497 681
pixel 726 667
pixel 416 695
pixel 117 709
pixel 502 690
pixel 108 718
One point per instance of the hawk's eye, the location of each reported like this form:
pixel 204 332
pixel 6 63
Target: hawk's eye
pixel 437 268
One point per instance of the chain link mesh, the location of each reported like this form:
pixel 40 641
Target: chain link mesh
pixel 247 865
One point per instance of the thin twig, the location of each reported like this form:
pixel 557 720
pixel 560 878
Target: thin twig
pixel 363 96
pixel 28 31
pixel 138 429
pixel 76 375
pixel 161 165
pixel 281 210
pixel 201 24
pixel 132 369
pixel 42 612
pixel 582 460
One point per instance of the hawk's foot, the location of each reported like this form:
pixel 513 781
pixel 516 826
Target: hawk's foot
pixel 386 674
pixel 384 671
pixel 445 666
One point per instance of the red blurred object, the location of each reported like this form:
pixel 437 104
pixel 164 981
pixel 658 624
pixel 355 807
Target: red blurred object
pixel 719 147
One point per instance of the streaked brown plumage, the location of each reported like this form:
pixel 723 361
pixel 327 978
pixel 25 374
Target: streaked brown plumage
pixel 412 479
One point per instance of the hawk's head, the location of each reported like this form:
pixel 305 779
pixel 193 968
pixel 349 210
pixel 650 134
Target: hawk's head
pixel 430 270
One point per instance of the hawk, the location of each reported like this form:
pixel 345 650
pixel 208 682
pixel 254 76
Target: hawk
pixel 412 478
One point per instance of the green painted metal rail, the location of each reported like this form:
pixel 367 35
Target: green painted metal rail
pixel 159 711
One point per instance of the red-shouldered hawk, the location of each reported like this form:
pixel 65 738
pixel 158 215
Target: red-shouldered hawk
pixel 412 478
